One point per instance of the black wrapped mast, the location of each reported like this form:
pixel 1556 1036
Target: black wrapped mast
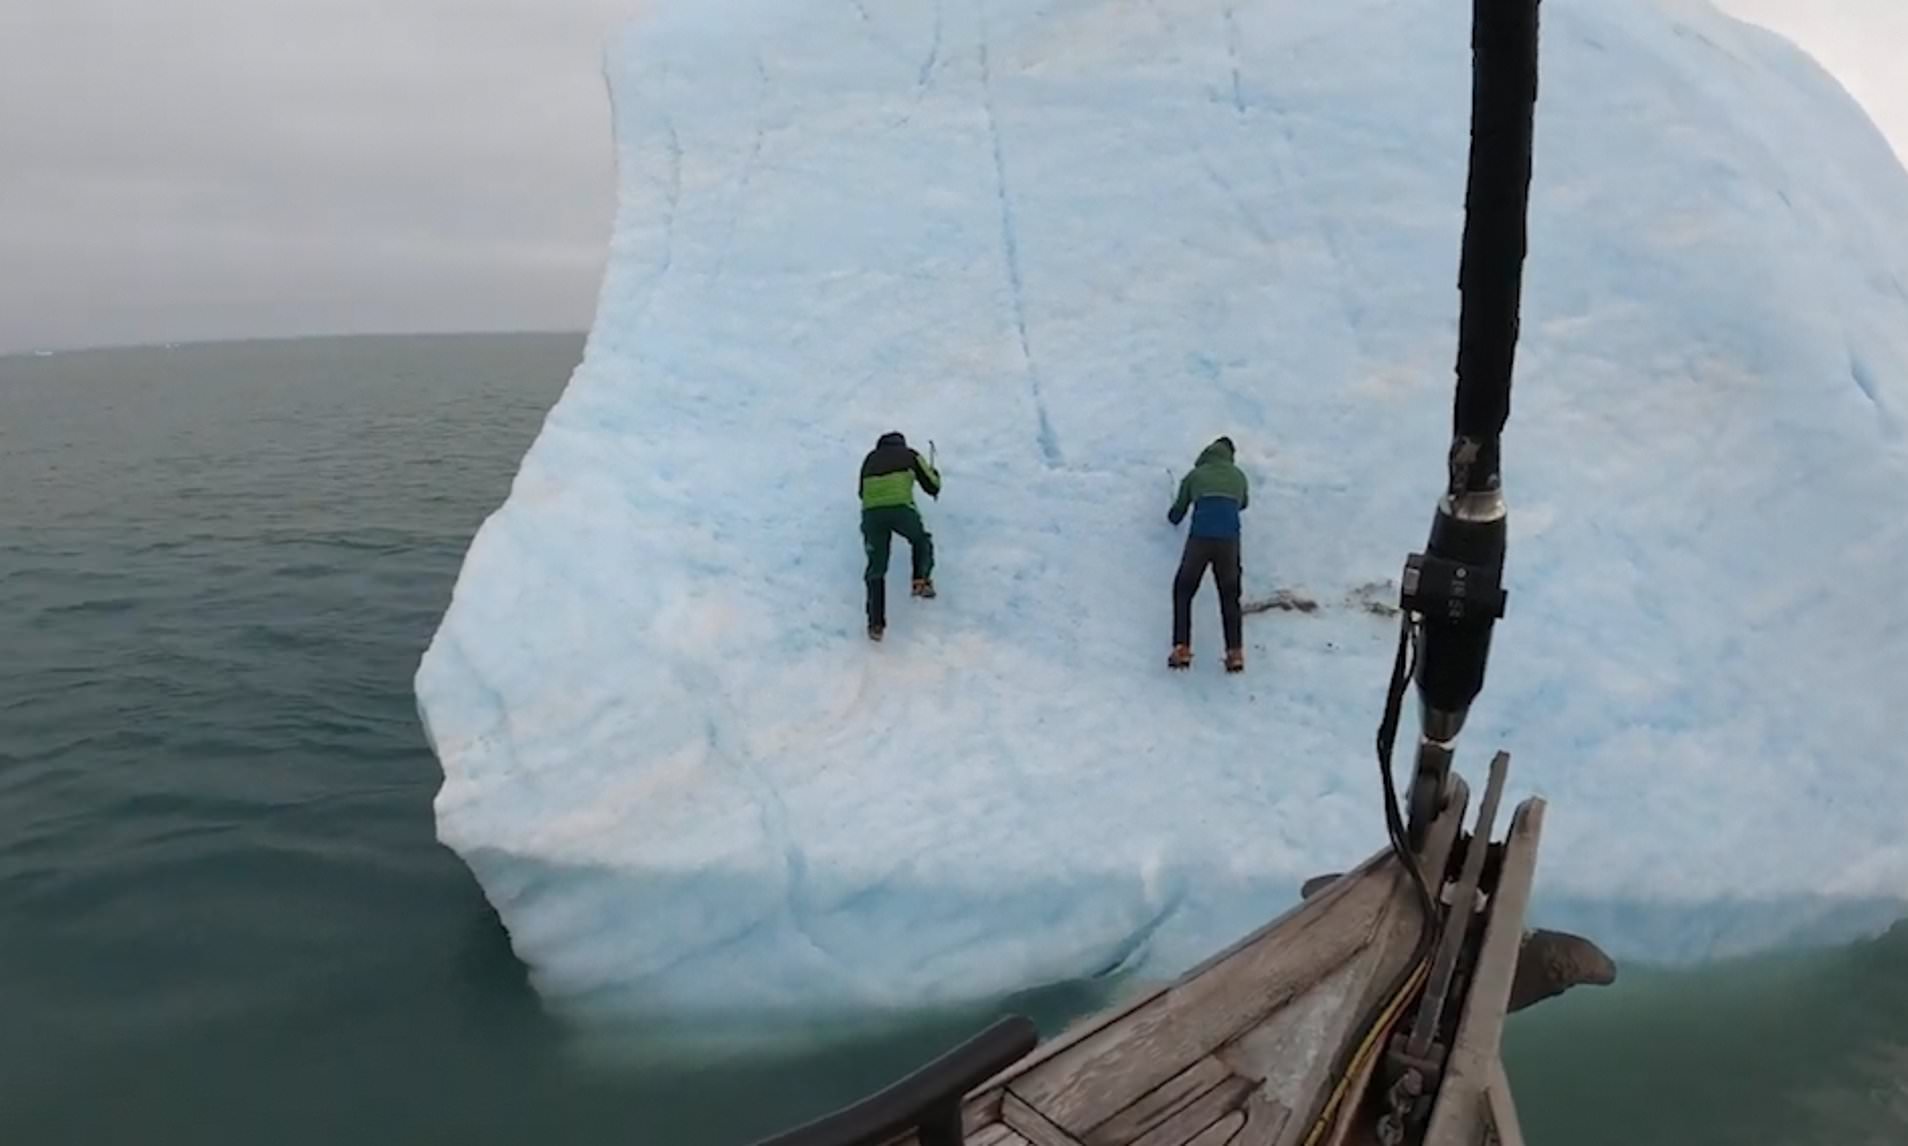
pixel 1453 591
pixel 1496 203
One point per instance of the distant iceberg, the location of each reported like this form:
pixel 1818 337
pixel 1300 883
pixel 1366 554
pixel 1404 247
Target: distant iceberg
pixel 1071 242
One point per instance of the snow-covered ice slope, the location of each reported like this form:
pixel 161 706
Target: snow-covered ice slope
pixel 1071 242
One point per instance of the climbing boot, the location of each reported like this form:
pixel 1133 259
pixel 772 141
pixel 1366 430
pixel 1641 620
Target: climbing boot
pixel 1180 657
pixel 1235 660
pixel 923 587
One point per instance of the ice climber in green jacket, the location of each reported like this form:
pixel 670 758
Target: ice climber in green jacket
pixel 1216 492
pixel 888 476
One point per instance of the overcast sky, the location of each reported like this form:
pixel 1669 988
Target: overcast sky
pixel 184 169
pixel 1863 43
pixel 181 169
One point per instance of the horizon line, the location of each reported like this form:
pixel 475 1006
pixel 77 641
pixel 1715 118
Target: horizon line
pixel 251 339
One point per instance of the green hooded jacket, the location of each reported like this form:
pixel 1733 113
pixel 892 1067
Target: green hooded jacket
pixel 1215 490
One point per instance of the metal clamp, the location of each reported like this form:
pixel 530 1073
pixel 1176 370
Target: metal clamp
pixel 1415 1060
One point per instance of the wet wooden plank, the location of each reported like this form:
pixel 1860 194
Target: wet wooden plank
pixel 1031 1124
pixel 1355 1089
pixel 1187 1123
pixel 1388 956
pixel 1111 1068
pixel 1085 1028
pixel 1222 1132
pixel 1077 1032
pixel 1265 1119
pixel 1156 1105
pixel 1282 1050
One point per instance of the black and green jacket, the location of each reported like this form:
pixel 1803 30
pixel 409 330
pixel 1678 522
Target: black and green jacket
pixel 889 472
pixel 1215 490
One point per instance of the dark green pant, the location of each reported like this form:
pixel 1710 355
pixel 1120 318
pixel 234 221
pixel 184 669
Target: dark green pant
pixel 878 527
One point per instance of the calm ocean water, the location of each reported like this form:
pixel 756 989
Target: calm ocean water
pixel 224 917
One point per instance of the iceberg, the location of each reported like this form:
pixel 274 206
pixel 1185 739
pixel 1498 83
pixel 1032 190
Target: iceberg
pixel 1071 242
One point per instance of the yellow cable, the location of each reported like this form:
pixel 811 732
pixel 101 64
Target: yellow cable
pixel 1388 1016
pixel 1327 1117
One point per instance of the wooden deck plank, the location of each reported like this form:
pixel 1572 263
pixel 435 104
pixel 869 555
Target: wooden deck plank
pixel 1157 1104
pixel 1389 954
pixel 1087 1026
pixel 1281 1050
pixel 1319 904
pixel 1195 1063
pixel 996 1134
pixel 1210 1107
pixel 988 1135
pixel 1031 1124
pixel 1311 1081
pixel 980 1110
pixel 1266 1119
pixel 1355 1090
pixel 1221 1132
pixel 1112 1067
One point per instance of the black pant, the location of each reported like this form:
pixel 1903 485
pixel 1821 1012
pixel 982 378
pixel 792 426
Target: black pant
pixel 1222 553
pixel 877 529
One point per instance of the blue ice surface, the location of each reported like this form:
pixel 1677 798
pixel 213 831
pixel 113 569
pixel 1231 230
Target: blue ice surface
pixel 1071 242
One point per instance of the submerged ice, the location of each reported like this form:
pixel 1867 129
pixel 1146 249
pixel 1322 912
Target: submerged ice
pixel 1072 242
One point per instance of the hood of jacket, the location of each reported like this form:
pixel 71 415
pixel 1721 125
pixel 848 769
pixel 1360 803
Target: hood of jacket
pixel 1218 451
